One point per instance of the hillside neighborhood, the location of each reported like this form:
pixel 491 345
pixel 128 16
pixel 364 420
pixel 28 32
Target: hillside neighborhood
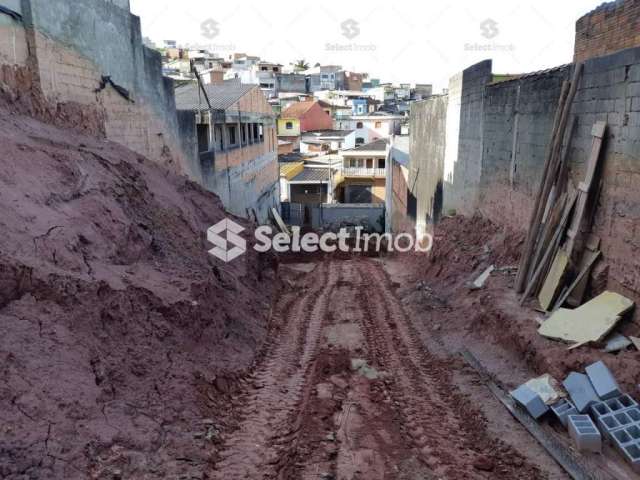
pixel 221 266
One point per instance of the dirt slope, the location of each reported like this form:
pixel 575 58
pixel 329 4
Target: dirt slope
pixel 117 330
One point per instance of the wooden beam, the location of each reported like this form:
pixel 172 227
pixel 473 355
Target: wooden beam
pixel 542 194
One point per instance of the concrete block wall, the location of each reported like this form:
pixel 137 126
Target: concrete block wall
pixel 611 27
pixel 13 39
pixel 517 121
pixel 452 139
pixel 428 121
pixel 609 91
pixel 73 44
pixel 468 165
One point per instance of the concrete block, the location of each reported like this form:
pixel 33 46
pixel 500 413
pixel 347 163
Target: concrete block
pixel 563 409
pixel 612 405
pixel 581 391
pixel 530 400
pixel 603 381
pixel 627 442
pixel 584 433
pixel 615 421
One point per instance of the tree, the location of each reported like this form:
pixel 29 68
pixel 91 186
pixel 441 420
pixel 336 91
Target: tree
pixel 301 65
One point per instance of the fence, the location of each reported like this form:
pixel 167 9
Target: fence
pixel 333 216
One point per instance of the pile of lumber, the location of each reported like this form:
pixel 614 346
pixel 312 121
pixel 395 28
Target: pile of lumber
pixel 559 250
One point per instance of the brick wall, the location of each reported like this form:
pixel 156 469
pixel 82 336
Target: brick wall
pixel 611 27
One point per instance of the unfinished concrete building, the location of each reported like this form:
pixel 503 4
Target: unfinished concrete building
pixel 237 144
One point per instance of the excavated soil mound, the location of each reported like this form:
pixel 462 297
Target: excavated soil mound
pixel 119 334
pixel 464 248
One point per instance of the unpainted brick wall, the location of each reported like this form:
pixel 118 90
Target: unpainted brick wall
pixel 611 27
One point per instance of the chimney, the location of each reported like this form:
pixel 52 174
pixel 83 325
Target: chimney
pixel 216 76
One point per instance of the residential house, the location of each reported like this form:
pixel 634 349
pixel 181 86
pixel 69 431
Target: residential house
pixel 302 117
pixel 310 181
pixel 285 147
pixel 325 77
pixel 350 81
pixel 369 128
pixel 291 83
pixel 322 142
pixel 421 91
pixel 363 175
pixel 234 130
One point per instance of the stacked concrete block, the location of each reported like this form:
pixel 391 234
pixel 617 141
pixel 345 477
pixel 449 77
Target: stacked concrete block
pixel 562 409
pixel 627 442
pixel 581 391
pixel 603 381
pixel 530 400
pixel 615 421
pixel 585 433
pixel 613 405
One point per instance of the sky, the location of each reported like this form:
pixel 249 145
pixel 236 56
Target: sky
pixel 402 42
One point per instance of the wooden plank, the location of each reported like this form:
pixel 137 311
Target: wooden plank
pixel 569 461
pixel 585 187
pixel 582 276
pixel 549 178
pixel 555 244
pixel 547 234
pixel 540 197
pixel 554 279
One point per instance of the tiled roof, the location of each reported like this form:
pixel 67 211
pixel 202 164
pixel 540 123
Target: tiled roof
pixel 297 110
pixel 221 95
pixel 375 146
pixel 312 175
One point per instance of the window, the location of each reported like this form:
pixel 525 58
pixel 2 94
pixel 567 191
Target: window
pixel 381 163
pixel 359 141
pixel 378 125
pixel 254 126
pixel 289 126
pixel 276 69
pixel 369 162
pixel 261 132
pixel 359 125
pixel 243 133
pixel 233 135
pixel 264 69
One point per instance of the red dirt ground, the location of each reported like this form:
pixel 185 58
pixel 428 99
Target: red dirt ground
pixel 118 332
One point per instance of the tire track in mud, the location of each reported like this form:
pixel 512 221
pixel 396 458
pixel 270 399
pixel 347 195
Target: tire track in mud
pixel 259 447
pixel 440 421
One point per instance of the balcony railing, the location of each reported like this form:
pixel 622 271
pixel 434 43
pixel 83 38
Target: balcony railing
pixel 364 172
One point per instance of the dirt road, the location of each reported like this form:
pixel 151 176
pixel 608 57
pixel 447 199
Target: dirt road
pixel 347 391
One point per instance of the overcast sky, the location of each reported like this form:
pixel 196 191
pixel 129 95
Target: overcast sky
pixel 410 41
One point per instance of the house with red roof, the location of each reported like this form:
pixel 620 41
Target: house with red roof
pixel 302 117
